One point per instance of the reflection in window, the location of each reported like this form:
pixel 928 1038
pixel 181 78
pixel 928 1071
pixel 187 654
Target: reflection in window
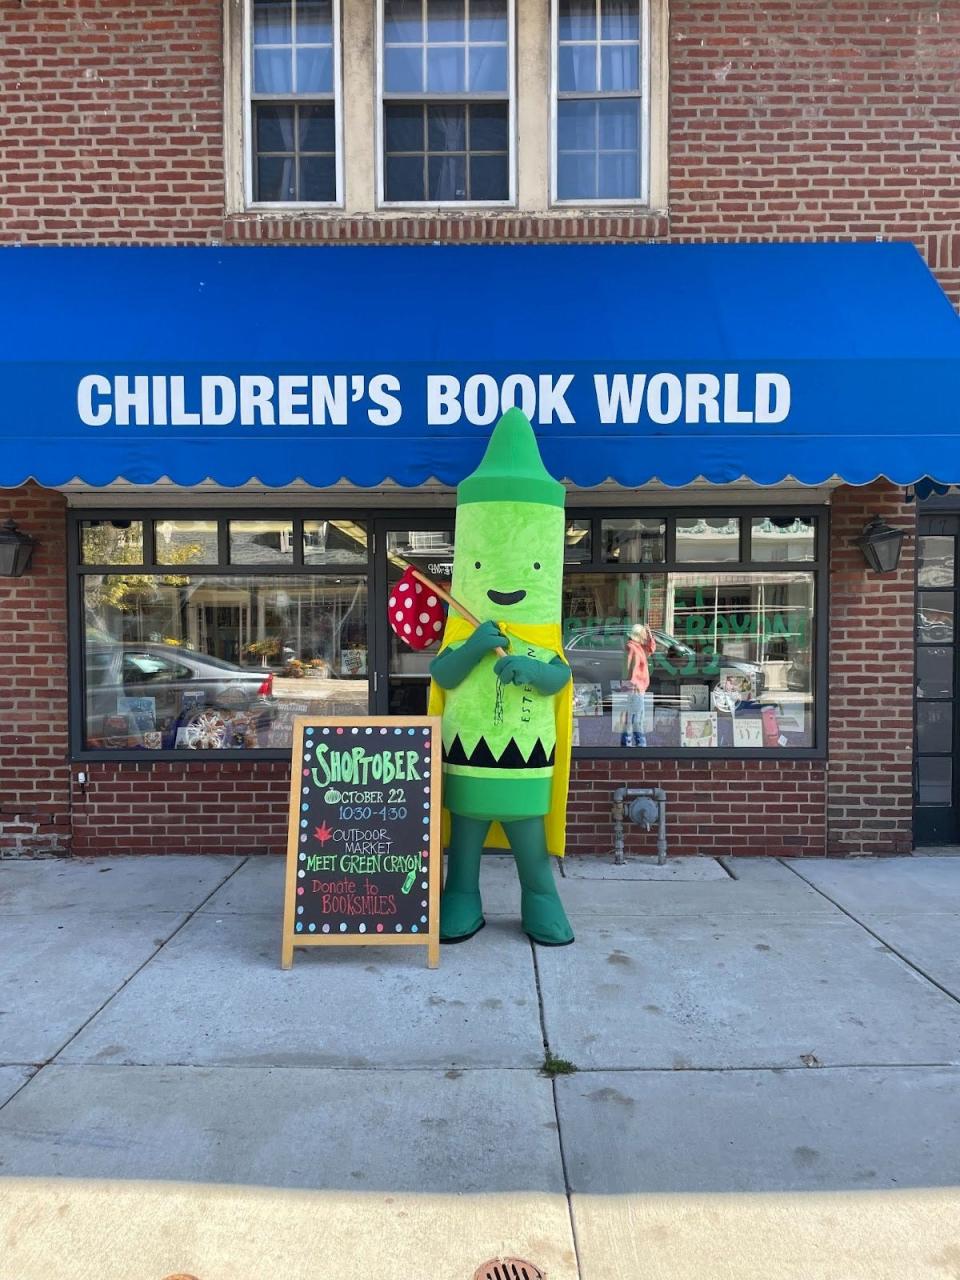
pixel 633 541
pixel 333 542
pixel 261 542
pixel 579 541
pixel 204 662
pixel 935 781
pixel 186 541
pixel 111 542
pixel 713 541
pixel 782 538
pixel 935 561
pixel 692 660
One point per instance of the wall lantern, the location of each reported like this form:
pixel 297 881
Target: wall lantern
pixel 16 548
pixel 881 545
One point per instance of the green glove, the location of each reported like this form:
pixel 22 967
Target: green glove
pixel 452 666
pixel 545 677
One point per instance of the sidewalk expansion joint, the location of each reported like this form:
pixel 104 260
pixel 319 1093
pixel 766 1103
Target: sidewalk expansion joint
pixel 568 1190
pixel 911 964
pixel 139 969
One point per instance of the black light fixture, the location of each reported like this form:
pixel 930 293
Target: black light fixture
pixel 16 548
pixel 881 545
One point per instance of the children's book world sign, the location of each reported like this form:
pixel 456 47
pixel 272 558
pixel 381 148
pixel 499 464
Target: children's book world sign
pixel 363 846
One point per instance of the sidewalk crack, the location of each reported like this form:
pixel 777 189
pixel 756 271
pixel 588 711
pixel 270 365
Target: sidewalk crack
pixel 547 1053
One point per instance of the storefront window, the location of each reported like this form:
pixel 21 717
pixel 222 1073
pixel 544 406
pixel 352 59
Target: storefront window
pixel 633 541
pixel 688 661
pixel 186 541
pixel 205 663
pixel 334 542
pixel 782 538
pixel 261 542
pixel 579 541
pixel 708 541
pixel 213 632
pixel 111 542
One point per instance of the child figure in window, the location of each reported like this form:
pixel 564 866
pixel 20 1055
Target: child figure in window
pixel 640 645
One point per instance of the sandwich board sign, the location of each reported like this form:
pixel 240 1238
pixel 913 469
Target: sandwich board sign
pixel 363 841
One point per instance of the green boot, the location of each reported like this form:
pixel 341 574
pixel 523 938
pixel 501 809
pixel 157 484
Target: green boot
pixel 541 911
pixel 461 911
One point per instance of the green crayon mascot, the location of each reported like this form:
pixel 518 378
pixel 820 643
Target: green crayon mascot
pixel 506 720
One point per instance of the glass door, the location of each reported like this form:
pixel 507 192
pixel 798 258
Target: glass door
pixel 936 797
pixel 403 675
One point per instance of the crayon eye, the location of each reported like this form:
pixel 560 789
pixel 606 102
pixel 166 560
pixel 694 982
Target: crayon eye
pixel 536 564
pixel 476 564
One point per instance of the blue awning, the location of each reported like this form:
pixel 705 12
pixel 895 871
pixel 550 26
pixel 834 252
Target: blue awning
pixel 321 364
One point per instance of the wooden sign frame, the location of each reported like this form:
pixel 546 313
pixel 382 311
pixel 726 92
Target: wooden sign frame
pixel 430 938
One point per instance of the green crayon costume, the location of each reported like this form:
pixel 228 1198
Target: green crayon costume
pixel 506 721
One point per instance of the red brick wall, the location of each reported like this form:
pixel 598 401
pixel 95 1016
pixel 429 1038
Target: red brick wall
pixel 111 120
pixel 168 807
pixel 713 807
pixel 870 779
pixel 796 119
pixel 34 773
pixel 858 802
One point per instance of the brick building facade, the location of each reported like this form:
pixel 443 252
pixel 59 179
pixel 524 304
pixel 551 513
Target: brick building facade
pixel 799 121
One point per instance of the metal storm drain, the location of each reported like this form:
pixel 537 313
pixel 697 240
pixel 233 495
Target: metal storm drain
pixel 508 1269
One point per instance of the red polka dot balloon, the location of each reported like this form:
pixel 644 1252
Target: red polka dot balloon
pixel 415 612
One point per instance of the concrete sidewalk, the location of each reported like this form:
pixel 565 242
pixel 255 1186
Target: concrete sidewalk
pixel 767 1083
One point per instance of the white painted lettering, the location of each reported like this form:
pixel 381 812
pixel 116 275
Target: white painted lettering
pixel 292 400
pixel 329 402
pixel 664 398
pixel 619 400
pixel 389 409
pixel 552 398
pixel 702 393
pixel 218 400
pixel 137 399
pixel 485 385
pixel 93 406
pixel 443 400
pixel 731 400
pixel 773 397
pixel 179 417
pixel 256 401
pixel 523 383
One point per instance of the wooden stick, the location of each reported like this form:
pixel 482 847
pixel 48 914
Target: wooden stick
pixel 454 604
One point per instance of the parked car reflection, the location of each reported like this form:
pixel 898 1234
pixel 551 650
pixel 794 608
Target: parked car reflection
pixel 148 693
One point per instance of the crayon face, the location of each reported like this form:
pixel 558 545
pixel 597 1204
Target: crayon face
pixel 508 560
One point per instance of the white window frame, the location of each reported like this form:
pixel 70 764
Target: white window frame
pixel 511 201
pixel 643 200
pixel 248 134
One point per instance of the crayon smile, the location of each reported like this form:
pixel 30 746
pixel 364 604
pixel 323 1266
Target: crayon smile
pixel 506 597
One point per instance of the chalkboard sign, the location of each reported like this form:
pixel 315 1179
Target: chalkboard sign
pixel 363 845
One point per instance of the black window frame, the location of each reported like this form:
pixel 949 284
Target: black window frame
pixel 818 567
pixel 436 510
pixel 77 571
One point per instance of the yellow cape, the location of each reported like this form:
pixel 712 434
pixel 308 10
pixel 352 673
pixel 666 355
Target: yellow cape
pixel 546 636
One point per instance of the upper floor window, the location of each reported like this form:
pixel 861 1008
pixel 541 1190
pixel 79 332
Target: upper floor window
pixel 446 76
pixel 293 77
pixel 601 85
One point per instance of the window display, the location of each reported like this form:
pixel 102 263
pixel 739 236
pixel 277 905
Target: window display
pixel 684 632
pixel 197 662
pixel 687 661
